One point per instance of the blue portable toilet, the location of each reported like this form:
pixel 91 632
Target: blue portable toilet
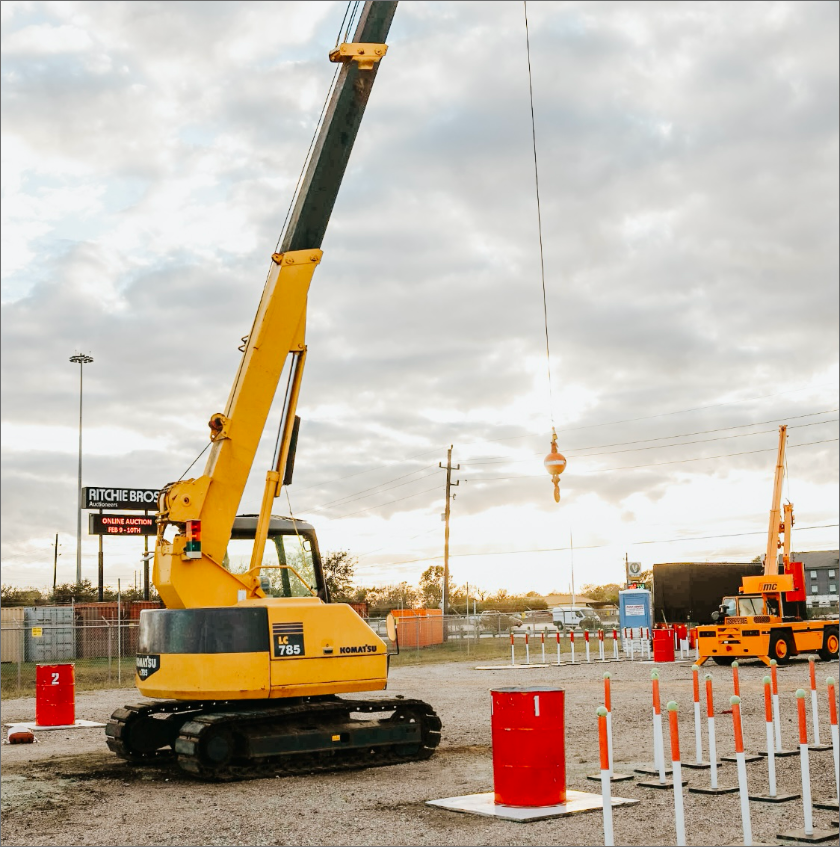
pixel 634 608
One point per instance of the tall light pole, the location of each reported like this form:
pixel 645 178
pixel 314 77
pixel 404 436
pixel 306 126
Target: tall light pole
pixel 82 359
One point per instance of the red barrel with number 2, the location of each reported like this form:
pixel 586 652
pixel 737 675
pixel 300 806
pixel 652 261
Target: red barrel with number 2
pixel 55 695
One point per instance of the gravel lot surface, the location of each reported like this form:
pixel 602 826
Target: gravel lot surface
pixel 69 789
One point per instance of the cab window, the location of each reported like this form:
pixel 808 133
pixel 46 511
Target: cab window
pixel 290 551
pixel 751 606
pixel 730 604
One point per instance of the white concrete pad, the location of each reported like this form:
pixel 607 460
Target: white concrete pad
pixel 78 725
pixel 511 667
pixel 484 804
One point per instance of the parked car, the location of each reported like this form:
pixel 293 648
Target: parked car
pixel 535 620
pixel 492 621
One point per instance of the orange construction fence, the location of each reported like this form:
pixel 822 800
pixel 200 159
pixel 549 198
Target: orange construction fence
pixel 419 627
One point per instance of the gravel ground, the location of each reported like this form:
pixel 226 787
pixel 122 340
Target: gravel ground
pixel 69 789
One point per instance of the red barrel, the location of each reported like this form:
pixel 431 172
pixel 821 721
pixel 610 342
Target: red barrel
pixel 682 631
pixel 663 645
pixel 55 695
pixel 692 638
pixel 529 752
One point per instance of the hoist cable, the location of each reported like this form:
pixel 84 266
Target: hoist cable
pixel 539 215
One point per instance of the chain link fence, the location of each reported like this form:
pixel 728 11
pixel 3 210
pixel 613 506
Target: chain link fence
pixel 103 653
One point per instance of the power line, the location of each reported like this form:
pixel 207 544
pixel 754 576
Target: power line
pixel 602 546
pixel 655 464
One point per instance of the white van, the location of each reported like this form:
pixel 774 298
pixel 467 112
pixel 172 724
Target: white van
pixel 569 617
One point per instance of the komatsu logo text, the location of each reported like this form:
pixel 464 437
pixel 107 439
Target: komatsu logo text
pixel 361 648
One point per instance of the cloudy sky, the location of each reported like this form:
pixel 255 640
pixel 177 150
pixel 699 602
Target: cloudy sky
pixel 688 175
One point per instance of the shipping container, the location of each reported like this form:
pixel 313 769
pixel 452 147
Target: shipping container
pixel 419 627
pixel 50 634
pixel 688 592
pixel 11 638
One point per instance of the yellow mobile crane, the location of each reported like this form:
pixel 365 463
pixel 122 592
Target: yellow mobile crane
pixel 249 666
pixel 769 619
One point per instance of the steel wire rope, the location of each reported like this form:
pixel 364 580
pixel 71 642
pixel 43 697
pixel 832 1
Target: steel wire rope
pixel 539 213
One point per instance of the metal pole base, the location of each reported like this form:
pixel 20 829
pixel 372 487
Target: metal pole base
pixel 669 783
pixel 650 770
pixel 830 805
pixel 699 766
pixel 819 747
pixel 748 757
pixel 733 790
pixel 818 836
pixel 778 753
pixel 778 798
pixel 616 777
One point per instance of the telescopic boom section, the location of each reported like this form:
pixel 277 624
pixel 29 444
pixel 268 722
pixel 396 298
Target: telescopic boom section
pixel 771 566
pixel 182 578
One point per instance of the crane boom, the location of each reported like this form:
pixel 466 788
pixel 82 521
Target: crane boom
pixel 206 507
pixel 771 566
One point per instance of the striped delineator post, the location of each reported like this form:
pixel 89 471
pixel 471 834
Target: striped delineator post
pixel 614 777
pixel 601 645
pixel 815 716
pixel 606 788
pixel 586 639
pixel 713 760
pixel 658 745
pixel 512 650
pixel 743 791
pixel 616 656
pixel 808 833
pixel 572 644
pixel 833 804
pixel 679 812
pixel 542 645
pixel 558 646
pixel 629 640
pixel 698 732
pixel 527 649
pixel 772 796
pixel 736 689
pixel 777 722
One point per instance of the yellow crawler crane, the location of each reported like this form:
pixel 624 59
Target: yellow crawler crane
pixel 768 619
pixel 249 665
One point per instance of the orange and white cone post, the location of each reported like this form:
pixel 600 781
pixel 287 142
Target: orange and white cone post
pixel 777 722
pixel 679 812
pixel 713 759
pixel 512 650
pixel 572 645
pixel 658 748
pixel 808 833
pixel 835 741
pixel 601 657
pixel 616 656
pixel 807 807
pixel 698 732
pixel 542 645
pixel 772 797
pixel 527 649
pixel 558 646
pixel 606 787
pixel 586 639
pixel 743 791
pixel 815 715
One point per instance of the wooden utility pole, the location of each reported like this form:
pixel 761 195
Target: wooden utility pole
pixel 55 563
pixel 449 485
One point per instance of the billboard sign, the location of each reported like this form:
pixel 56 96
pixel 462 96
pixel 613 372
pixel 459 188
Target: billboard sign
pixel 122 524
pixel 120 498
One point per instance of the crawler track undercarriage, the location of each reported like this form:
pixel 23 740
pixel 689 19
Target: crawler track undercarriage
pixel 232 740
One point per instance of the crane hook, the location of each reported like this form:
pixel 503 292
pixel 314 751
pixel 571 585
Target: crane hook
pixel 555 464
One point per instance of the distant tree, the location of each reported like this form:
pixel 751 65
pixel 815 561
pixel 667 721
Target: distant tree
pixel 758 559
pixel 76 592
pixel 383 600
pixel 503 601
pixel 12 596
pixel 431 586
pixel 602 593
pixel 339 569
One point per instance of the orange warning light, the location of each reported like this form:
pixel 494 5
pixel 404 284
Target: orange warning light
pixel 555 464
